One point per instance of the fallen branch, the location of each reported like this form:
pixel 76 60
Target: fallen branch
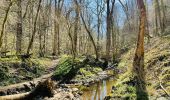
pixel 160 83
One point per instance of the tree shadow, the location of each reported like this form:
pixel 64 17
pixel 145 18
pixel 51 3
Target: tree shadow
pixel 141 92
pixel 139 79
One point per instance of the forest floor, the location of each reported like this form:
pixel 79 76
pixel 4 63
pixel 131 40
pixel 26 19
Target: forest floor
pixel 13 70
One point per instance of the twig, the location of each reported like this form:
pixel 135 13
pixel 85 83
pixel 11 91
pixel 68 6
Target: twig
pixel 160 83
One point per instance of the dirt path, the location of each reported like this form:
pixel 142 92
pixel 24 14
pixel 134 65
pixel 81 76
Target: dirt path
pixel 29 84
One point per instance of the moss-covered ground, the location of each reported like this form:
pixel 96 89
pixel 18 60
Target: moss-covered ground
pixel 77 69
pixel 157 67
pixel 13 70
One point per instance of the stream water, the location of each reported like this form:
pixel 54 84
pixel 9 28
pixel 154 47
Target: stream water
pixel 99 90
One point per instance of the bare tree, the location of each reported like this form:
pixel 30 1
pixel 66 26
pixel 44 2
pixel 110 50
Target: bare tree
pixel 19 28
pixel 56 40
pixel 35 28
pixel 90 36
pixel 109 26
pixel 4 21
pixel 76 27
pixel 138 63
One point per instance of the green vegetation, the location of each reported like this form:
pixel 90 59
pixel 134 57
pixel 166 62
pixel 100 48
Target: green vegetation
pixel 157 66
pixel 64 67
pixel 75 69
pixel 12 70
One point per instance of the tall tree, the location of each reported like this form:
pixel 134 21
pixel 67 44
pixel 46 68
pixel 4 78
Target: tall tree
pixel 109 26
pixel 138 63
pixel 90 36
pixel 158 14
pixel 19 28
pixel 56 39
pixel 76 27
pixel 35 29
pixel 163 15
pixel 99 13
pixel 4 21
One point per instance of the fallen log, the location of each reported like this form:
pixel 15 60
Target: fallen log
pixel 43 89
pixel 20 87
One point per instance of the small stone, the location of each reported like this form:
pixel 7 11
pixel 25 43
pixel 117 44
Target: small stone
pixel 80 93
pixel 75 89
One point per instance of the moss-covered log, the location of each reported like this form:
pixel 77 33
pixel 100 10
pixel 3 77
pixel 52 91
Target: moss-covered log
pixel 43 89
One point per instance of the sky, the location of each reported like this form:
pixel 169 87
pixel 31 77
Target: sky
pixel 121 17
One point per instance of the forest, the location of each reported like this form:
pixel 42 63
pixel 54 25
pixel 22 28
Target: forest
pixel 84 49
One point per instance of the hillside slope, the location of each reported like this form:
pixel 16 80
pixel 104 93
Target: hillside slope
pixel 157 67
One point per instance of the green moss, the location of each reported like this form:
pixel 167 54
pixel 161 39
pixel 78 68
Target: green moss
pixel 64 67
pixel 75 69
pixel 15 72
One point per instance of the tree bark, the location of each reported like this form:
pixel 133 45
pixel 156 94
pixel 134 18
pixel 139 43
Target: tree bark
pixel 77 18
pixel 19 28
pixel 56 39
pixel 4 21
pixel 164 16
pixel 138 63
pixel 35 28
pixel 109 27
pixel 43 89
pixel 69 34
pixel 159 15
pixel 90 36
pixel 156 20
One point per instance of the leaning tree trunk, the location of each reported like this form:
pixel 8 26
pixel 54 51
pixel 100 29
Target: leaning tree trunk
pixel 138 64
pixel 4 21
pixel 34 30
pixel 91 38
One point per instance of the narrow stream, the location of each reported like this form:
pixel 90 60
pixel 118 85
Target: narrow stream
pixel 99 90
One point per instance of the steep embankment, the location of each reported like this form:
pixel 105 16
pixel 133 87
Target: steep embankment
pixel 157 67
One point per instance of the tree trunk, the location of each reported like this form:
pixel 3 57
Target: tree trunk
pixel 43 89
pixel 77 18
pixel 108 33
pixel 4 21
pixel 55 31
pixel 156 20
pixel 40 37
pixel 109 27
pixel 164 15
pixel 90 36
pixel 138 64
pixel 35 28
pixel 19 28
pixel 159 14
pixel 56 39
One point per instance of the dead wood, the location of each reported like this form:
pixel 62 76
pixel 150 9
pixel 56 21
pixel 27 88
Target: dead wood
pixel 43 89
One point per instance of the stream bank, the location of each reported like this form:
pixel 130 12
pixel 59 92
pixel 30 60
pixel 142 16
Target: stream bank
pixel 74 80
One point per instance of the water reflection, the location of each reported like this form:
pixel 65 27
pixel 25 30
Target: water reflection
pixel 98 91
